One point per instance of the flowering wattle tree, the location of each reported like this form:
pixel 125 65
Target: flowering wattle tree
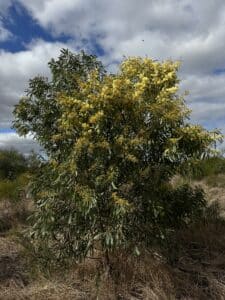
pixel 113 142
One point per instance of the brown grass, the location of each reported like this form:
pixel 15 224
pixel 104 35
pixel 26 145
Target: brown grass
pixel 196 271
pixel 191 267
pixel 13 215
pixel 199 261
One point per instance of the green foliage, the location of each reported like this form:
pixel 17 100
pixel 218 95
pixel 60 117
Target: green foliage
pixel 207 167
pixel 15 170
pixel 113 142
pixel 211 166
pixel 33 162
pixel 12 164
pixel 14 190
pixel 38 112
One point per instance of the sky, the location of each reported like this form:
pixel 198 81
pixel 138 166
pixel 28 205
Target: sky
pixel 34 31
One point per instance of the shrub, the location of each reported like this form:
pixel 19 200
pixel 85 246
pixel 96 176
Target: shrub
pixel 199 169
pixel 113 141
pixel 12 164
pixel 14 190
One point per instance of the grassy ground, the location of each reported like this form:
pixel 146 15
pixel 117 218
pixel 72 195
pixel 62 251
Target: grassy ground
pixel 195 270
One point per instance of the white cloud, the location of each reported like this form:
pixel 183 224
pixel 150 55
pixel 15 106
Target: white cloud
pixel 4 5
pixel 193 31
pixel 205 88
pixel 12 140
pixel 16 70
pixel 206 98
pixel 4 33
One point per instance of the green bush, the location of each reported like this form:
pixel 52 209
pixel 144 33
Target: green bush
pixel 207 167
pixel 113 144
pixel 12 164
pixel 14 190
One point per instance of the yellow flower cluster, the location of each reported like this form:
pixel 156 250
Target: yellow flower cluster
pixel 136 141
pixel 56 137
pixel 131 67
pixel 131 158
pixel 85 193
pixel 85 126
pixel 86 106
pixel 103 144
pixel 96 117
pixel 140 87
pixel 119 200
pixel 105 92
pixel 120 140
pixel 172 90
pixel 80 144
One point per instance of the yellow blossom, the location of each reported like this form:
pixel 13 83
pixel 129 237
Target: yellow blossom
pixel 119 200
pixel 96 117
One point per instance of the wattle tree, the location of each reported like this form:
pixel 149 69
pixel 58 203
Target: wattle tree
pixel 113 142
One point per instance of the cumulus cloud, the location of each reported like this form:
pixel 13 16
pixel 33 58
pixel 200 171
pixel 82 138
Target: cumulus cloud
pixel 15 71
pixel 17 68
pixel 192 31
pixel 205 88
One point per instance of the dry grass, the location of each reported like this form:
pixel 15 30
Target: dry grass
pixel 47 290
pixel 145 279
pixel 199 261
pixel 195 270
pixel 13 214
pixel 215 191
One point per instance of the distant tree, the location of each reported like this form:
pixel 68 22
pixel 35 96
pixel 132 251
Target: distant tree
pixel 12 164
pixel 113 141
pixel 13 175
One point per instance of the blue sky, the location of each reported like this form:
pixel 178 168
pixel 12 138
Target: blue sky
pixel 32 32
pixel 23 28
